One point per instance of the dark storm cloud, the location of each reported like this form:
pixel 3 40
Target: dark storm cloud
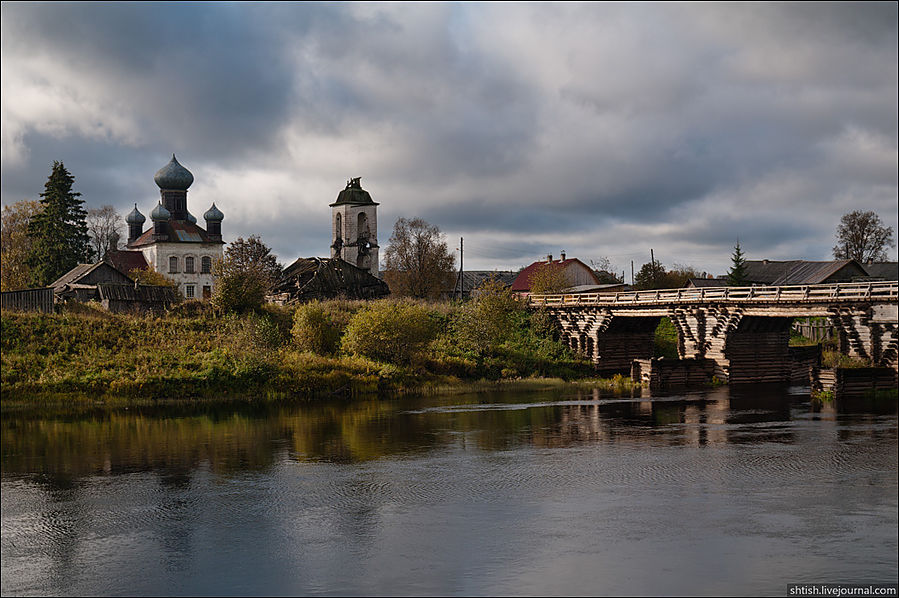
pixel 211 82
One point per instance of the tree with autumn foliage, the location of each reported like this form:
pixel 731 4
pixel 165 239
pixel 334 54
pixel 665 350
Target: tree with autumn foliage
pixel 417 263
pixel 244 275
pixel 549 278
pixel 15 244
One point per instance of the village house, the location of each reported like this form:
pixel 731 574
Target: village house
pixel 804 272
pixel 110 287
pixel 576 272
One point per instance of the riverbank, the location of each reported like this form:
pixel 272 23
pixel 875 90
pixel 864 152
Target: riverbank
pixel 196 354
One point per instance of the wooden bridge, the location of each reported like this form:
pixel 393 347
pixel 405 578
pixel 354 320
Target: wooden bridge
pixel 745 331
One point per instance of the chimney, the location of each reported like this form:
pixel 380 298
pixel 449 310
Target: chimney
pixel 563 255
pixel 549 257
pixel 765 262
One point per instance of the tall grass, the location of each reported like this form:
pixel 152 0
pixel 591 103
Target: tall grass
pixel 343 348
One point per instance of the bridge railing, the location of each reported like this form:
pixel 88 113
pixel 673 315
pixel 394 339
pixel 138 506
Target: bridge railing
pixel 820 293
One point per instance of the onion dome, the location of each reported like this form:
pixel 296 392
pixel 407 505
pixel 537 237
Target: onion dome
pixel 213 214
pixel 135 217
pixel 173 176
pixel 160 213
pixel 191 218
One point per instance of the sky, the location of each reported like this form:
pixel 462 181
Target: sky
pixel 602 129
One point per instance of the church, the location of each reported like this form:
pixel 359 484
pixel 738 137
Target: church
pixel 354 227
pixel 175 245
pixel 352 270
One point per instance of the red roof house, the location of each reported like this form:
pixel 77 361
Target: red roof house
pixel 576 271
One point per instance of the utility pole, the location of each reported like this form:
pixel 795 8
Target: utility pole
pixel 632 272
pixel 461 267
pixel 652 259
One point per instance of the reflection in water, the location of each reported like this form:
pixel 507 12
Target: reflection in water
pixel 504 493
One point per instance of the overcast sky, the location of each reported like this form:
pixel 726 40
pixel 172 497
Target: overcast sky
pixel 600 129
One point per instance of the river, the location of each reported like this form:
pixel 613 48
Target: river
pixel 726 491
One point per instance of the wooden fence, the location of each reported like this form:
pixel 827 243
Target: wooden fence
pixel 814 329
pixel 28 300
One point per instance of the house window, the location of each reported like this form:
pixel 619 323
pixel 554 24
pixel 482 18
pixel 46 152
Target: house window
pixel 189 291
pixel 207 292
pixel 173 265
pixel 189 265
pixel 206 265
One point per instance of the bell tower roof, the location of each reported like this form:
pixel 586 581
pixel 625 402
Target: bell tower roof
pixel 354 194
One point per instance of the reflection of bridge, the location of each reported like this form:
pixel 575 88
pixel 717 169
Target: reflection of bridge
pixel 744 330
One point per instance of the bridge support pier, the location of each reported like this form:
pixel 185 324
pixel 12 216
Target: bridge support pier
pixel 612 343
pixel 868 333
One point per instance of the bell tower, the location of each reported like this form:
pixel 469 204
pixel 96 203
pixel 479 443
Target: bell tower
pixel 354 227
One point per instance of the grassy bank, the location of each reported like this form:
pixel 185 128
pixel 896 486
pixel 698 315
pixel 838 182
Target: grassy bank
pixel 277 353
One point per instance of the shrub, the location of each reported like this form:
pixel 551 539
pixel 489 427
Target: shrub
pixel 486 322
pixel 835 359
pixel 190 308
pixel 314 329
pixel 238 292
pixel 390 331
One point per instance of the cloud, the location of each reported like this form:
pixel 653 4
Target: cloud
pixel 603 129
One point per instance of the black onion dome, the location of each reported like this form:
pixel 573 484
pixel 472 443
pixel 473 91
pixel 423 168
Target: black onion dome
pixel 173 176
pixel 191 218
pixel 160 213
pixel 213 214
pixel 135 217
pixel 354 194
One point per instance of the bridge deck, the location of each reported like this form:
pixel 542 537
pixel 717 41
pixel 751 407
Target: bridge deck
pixel 823 293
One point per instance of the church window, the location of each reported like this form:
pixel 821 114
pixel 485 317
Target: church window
pixel 189 265
pixel 189 291
pixel 206 265
pixel 173 265
pixel 338 225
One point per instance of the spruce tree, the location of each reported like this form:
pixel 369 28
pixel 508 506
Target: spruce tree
pixel 737 275
pixel 59 239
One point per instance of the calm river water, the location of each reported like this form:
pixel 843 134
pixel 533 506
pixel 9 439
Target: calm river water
pixel 724 492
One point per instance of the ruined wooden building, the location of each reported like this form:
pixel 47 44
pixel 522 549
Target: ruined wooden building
pixel 321 278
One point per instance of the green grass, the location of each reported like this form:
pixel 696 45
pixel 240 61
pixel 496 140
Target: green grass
pixel 198 355
pixel 666 340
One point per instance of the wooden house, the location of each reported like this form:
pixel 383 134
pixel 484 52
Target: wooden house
pixel 576 273
pixel 322 278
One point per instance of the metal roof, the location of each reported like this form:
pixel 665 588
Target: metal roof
pixel 180 231
pixel 882 270
pixel 522 282
pixel 792 272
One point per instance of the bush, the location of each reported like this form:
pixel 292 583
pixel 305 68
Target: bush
pixel 238 292
pixel 835 359
pixel 486 322
pixel 191 308
pixel 390 331
pixel 315 330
